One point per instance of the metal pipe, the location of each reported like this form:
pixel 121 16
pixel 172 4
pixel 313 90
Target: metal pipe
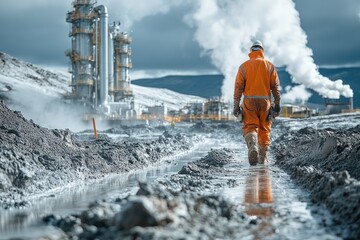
pixel 102 11
pixel 113 30
pixel 96 64
pixel 111 61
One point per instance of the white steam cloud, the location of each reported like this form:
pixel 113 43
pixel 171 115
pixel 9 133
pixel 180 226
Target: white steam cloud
pixel 46 110
pixel 295 94
pixel 131 11
pixel 225 29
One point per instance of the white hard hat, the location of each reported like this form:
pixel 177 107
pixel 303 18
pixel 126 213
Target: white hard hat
pixel 257 45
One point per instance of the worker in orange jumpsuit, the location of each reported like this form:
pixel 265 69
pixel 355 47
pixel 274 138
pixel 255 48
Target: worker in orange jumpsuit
pixel 256 80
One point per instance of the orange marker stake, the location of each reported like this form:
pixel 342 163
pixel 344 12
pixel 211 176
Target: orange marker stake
pixel 94 125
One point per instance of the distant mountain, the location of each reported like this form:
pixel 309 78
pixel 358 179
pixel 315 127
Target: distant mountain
pixel 207 86
pixel 202 85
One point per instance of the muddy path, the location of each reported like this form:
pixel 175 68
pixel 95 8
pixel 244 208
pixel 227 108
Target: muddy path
pixel 214 197
pixel 191 181
pixel 213 194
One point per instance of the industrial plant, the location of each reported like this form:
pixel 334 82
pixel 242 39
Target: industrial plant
pixel 100 57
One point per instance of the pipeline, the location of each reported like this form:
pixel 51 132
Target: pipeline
pixel 104 90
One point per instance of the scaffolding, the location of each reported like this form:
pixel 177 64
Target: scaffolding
pixel 81 55
pixel 100 59
pixel 122 64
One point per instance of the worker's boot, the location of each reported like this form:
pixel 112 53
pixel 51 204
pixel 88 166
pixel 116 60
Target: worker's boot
pixel 263 154
pixel 251 140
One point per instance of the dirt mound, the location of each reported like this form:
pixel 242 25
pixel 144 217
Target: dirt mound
pixel 211 162
pixel 329 149
pixel 35 159
pixel 326 163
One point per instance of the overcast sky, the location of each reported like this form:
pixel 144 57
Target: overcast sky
pixel 36 31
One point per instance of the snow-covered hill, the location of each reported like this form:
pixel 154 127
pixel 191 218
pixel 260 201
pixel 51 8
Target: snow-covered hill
pixel 37 93
pixel 15 74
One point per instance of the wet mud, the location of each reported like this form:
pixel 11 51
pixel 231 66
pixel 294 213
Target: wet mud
pixel 34 160
pixel 218 196
pixel 326 163
pixel 192 204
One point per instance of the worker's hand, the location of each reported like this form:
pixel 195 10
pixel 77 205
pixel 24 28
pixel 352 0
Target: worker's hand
pixel 237 110
pixel 277 109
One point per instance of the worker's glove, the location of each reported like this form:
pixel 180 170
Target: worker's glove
pixel 277 110
pixel 238 113
pixel 237 109
pixel 274 111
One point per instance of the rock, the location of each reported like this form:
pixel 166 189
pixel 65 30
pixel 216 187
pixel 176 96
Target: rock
pixel 139 211
pixel 99 214
pixel 23 178
pixel 5 182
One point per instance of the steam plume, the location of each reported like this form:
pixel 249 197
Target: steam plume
pixel 131 11
pixel 225 30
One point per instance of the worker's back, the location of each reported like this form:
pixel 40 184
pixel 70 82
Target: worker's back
pixel 256 79
pixel 257 72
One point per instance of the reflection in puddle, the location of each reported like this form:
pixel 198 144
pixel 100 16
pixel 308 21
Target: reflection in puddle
pixel 277 209
pixel 258 193
pixel 258 199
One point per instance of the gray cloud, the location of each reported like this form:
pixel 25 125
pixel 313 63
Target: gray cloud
pixel 165 41
pixel 36 31
pixel 333 30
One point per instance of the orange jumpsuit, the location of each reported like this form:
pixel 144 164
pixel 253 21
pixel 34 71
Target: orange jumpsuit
pixel 255 79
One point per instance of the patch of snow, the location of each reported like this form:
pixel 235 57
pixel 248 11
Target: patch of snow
pixel 147 96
